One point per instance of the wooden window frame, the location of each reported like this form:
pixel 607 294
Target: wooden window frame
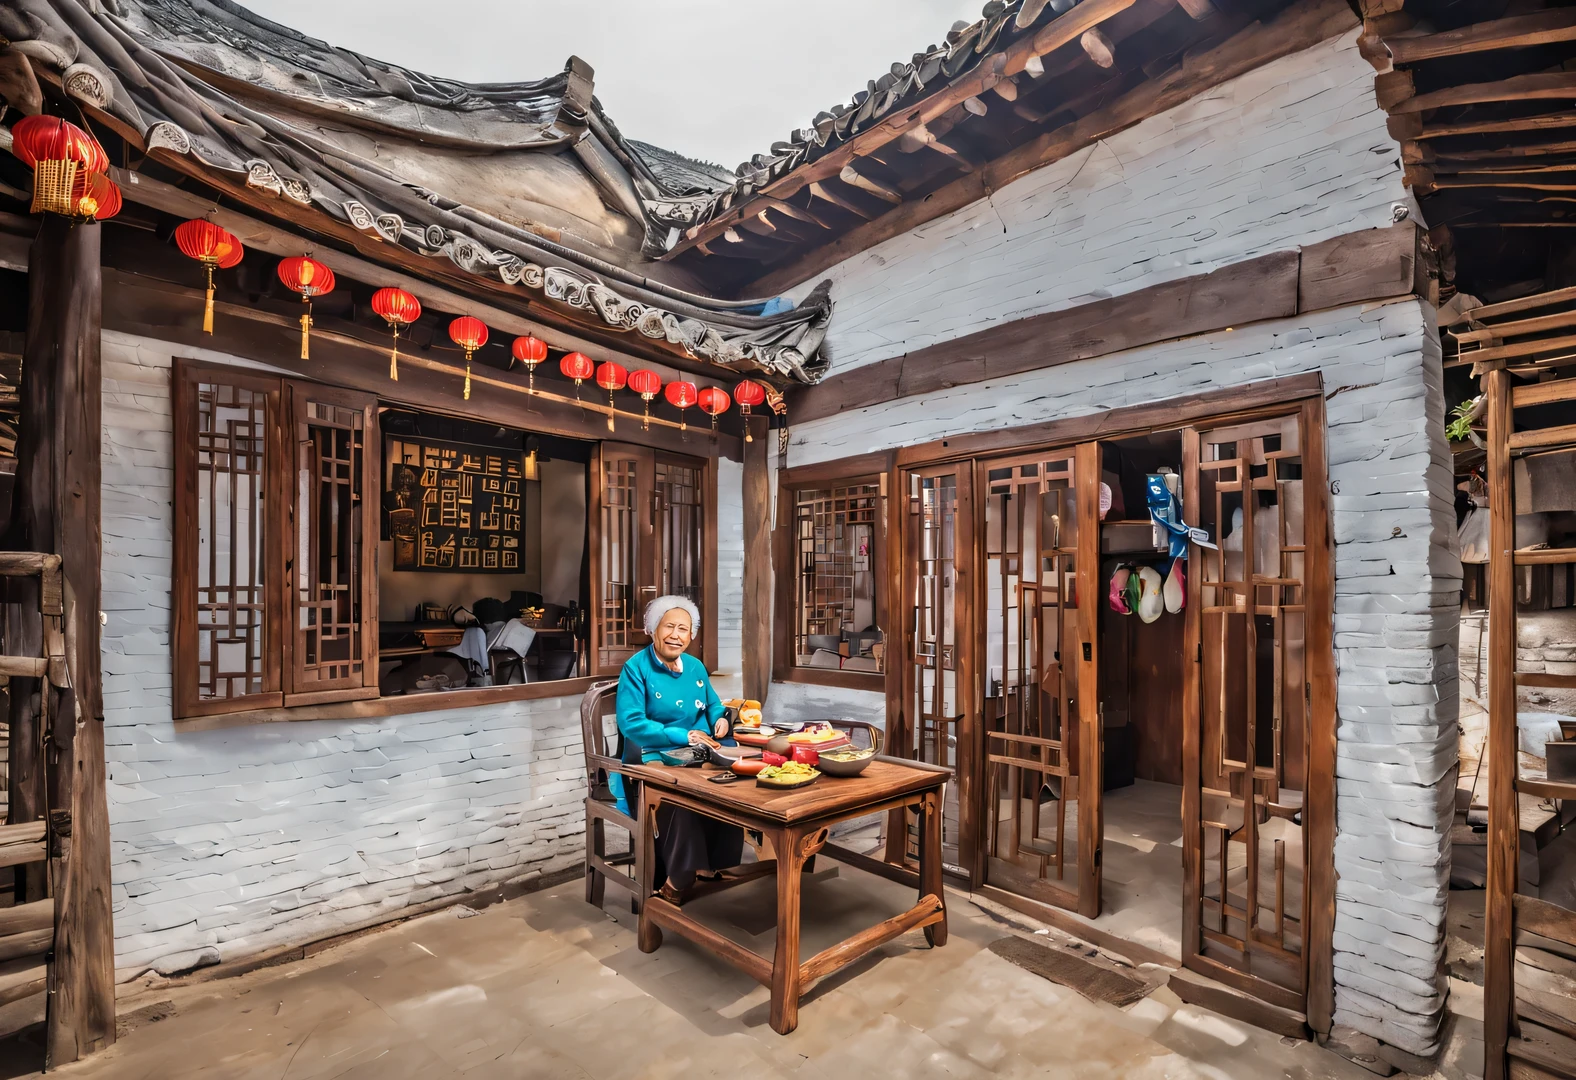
pixel 278 703
pixel 865 469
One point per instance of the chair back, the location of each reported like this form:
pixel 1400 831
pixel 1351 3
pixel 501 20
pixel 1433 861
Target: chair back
pixel 595 706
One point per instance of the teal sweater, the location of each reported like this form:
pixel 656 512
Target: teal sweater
pixel 658 707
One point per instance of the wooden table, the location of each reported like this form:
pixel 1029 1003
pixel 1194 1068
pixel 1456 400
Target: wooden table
pixel 798 823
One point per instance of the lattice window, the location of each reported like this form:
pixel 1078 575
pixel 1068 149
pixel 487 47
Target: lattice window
pixel 330 542
pixel 680 530
pixel 273 584
pixel 834 537
pixel 232 574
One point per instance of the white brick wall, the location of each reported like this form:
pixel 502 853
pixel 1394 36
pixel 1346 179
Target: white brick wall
pixel 1290 154
pixel 230 842
pixel 1285 156
pixel 1396 596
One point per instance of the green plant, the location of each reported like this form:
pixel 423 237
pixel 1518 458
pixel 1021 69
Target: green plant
pixel 1460 425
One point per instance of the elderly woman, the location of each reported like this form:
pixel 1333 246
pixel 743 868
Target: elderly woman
pixel 666 701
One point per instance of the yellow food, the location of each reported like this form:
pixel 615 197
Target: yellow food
pixel 750 717
pixel 791 770
pixel 846 755
pixel 751 703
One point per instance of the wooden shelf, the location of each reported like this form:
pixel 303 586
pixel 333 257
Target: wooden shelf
pixel 1129 538
pixel 1547 789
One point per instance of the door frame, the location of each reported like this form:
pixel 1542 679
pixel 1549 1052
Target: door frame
pixel 1304 393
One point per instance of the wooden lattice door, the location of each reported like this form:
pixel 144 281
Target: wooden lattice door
pixel 1040 817
pixel 1245 766
pixel 936 678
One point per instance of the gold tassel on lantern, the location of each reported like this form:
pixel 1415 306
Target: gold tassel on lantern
pixel 306 330
pixel 207 307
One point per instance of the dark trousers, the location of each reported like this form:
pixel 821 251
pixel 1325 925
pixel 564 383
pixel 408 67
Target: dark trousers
pixel 688 842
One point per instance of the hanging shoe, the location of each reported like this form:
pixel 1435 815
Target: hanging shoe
pixel 1175 590
pixel 1151 603
pixel 1118 596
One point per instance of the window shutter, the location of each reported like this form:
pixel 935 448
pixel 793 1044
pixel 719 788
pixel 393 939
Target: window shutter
pixel 622 579
pixel 331 535
pixel 228 597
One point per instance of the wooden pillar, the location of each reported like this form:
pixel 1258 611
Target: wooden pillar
pixel 1504 824
pixel 757 628
pixel 56 509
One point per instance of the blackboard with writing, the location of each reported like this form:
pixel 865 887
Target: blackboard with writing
pixel 453 506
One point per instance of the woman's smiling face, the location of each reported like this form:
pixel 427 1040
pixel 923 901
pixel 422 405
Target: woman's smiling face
pixel 673 634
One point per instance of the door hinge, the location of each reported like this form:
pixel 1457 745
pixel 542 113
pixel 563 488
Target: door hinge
pixel 1088 651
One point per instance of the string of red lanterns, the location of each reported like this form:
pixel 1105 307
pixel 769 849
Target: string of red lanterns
pixel 69 168
pixel 576 366
pixel 713 401
pixel 748 393
pixel 681 395
pixel 530 351
pixel 646 383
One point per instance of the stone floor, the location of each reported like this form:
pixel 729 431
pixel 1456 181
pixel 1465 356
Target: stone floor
pixel 545 986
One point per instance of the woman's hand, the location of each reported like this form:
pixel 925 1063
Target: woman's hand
pixel 698 738
pixel 720 728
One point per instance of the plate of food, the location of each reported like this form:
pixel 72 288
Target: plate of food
pixel 790 774
pixel 848 761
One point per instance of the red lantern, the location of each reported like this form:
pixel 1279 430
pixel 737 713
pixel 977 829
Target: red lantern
pixel 645 383
pixel 681 395
pixel 530 351
pixel 713 401
pixel 310 278
pixel 469 334
pixel 748 393
pixel 611 377
pixel 214 248
pixel 576 366
pixel 95 196
pixel 399 309
pixel 56 151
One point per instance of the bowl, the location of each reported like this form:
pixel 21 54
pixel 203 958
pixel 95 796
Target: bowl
pixel 833 764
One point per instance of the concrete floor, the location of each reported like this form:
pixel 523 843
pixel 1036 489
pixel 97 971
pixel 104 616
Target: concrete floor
pixel 545 986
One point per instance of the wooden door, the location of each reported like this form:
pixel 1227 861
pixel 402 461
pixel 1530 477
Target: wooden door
pixel 937 712
pixel 1040 806
pixel 650 538
pixel 1246 696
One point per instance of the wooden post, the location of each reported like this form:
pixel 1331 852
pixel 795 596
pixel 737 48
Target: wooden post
pixel 57 510
pixel 1504 819
pixel 757 563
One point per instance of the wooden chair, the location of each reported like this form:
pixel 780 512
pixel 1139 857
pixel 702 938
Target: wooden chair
pixel 505 664
pixel 601 807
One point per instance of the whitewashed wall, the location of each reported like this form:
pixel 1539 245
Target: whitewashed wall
pixel 1290 154
pixel 229 842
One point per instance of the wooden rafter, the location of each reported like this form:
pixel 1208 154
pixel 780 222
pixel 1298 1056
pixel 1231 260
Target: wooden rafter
pixel 1545 85
pixel 1519 31
pixel 1066 28
pixel 825 194
pixel 1542 122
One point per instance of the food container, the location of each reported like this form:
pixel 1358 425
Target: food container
pixel 786 785
pixel 445 638
pixel 805 755
pixel 845 763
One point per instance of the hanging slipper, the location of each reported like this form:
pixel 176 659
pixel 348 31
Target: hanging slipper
pixel 1175 590
pixel 1135 590
pixel 1119 591
pixel 1151 603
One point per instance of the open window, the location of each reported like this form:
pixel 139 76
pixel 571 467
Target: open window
pixel 272 534
pixel 831 554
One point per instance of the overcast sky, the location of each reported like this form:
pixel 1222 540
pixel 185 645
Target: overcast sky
pixel 714 79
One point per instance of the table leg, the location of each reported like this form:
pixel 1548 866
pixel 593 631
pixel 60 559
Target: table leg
pixel 930 882
pixel 785 961
pixel 649 936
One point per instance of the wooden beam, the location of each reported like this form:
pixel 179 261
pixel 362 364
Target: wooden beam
pixel 22 979
pixel 1511 307
pixel 1503 817
pixel 1518 328
pixel 21 844
pixel 1520 349
pixel 852 176
pixel 1540 86
pixel 1541 122
pixel 25 918
pixel 825 194
pixel 1518 31
pixel 1372 264
pixel 1299 27
pixel 1497 153
pixel 1197 990
pixel 1099 47
pixel 757 621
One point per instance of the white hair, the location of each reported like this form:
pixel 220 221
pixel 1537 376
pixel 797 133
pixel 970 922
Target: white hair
pixel 664 604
